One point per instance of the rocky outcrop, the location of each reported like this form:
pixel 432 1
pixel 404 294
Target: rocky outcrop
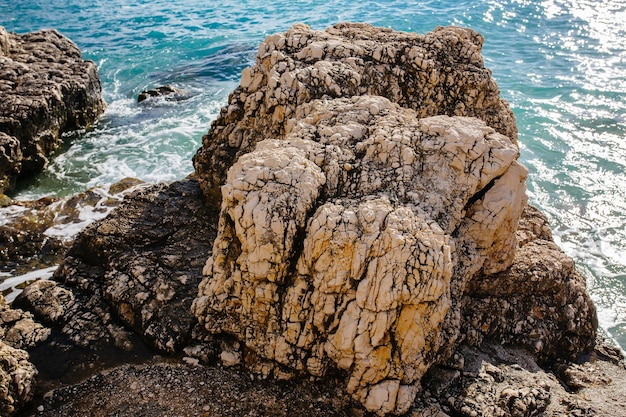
pixel 140 268
pixel 507 381
pixel 440 73
pixel 345 244
pixel 46 89
pixel 373 231
pixel 372 235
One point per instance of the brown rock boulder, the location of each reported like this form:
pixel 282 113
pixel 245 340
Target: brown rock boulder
pixel 46 89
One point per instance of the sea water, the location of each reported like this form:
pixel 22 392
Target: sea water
pixel 560 63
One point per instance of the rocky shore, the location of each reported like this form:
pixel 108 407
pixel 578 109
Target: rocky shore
pixel 46 90
pixel 355 240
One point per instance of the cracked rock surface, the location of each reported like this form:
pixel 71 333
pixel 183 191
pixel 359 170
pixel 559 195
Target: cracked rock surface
pixel 337 245
pixel 373 231
pixel 18 331
pixel 440 73
pixel 540 302
pixel 140 268
pixel 362 210
pixel 46 89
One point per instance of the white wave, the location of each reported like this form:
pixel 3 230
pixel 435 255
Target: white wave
pixel 9 284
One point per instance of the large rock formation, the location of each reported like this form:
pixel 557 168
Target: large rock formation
pixel 439 73
pixel 361 234
pixel 347 242
pixel 372 229
pixel 46 89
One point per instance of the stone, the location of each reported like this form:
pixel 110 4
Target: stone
pixel 167 91
pixel 540 302
pixel 317 266
pixel 367 224
pixel 37 234
pixel 507 381
pixel 46 89
pixel 17 379
pixel 440 73
pixel 10 161
pixel 46 299
pixel 19 329
pixel 139 268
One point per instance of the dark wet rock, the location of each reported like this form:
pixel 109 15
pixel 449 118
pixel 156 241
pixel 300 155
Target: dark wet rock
pixel 141 267
pixel 23 238
pixel 167 91
pixel 46 89
pixel 36 234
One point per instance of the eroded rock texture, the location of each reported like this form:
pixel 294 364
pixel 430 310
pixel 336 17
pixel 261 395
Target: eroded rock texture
pixel 18 331
pixel 338 244
pixel 439 73
pixel 540 302
pixel 373 219
pixel 46 89
pixel 139 267
pixel 17 377
pixel 364 217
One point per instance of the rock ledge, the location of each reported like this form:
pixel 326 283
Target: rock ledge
pixel 46 89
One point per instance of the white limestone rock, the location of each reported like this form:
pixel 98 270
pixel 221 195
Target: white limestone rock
pixel 337 246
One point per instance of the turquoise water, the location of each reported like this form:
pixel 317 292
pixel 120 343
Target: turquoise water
pixel 560 63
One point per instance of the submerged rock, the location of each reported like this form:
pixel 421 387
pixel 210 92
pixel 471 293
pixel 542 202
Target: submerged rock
pixel 167 91
pixel 46 89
